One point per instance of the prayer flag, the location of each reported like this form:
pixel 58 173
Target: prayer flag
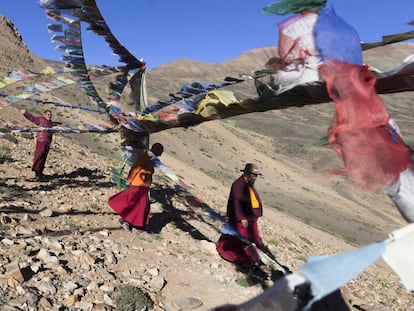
pixel 399 254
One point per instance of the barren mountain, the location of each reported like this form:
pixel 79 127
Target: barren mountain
pixel 62 248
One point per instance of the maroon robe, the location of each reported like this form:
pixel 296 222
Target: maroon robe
pixel 40 156
pixel 239 207
pixel 132 205
pixel 43 141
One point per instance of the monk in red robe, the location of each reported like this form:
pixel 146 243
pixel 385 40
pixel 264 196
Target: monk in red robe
pixel 244 207
pixel 132 204
pixel 43 140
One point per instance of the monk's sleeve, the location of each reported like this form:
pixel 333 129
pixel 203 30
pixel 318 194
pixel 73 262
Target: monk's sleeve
pixel 32 118
pixel 238 202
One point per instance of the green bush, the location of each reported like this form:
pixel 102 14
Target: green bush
pixel 4 296
pixel 10 192
pixel 242 281
pixel 130 298
pixel 245 281
pixel 274 242
pixel 5 157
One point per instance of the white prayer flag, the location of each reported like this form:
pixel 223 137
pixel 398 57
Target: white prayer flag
pixel 399 254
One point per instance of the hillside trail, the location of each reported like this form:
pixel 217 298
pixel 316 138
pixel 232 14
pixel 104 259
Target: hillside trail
pixel 181 247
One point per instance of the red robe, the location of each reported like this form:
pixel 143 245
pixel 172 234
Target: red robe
pixel 43 141
pixel 132 204
pixel 240 207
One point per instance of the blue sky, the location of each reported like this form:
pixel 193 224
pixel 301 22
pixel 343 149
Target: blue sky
pixel 212 31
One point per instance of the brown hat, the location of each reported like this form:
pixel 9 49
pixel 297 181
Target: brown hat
pixel 251 168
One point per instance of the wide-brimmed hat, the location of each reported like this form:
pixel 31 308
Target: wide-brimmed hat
pixel 251 168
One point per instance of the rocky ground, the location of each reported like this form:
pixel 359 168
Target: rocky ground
pixel 62 248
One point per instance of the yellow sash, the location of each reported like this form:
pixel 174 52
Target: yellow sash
pixel 253 199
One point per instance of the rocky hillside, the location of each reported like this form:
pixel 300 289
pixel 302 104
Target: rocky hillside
pixel 62 248
pixel 13 51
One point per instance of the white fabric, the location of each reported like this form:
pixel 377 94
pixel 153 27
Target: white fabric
pixel 329 273
pixel 399 254
pixel 299 30
pixel 402 193
pixel 406 66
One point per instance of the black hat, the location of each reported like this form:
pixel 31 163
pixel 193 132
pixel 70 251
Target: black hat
pixel 251 168
pixel 157 149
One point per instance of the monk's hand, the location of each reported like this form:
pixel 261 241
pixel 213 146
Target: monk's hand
pixel 244 223
pixel 22 111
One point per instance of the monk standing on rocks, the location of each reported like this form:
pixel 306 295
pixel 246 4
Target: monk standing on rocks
pixel 43 140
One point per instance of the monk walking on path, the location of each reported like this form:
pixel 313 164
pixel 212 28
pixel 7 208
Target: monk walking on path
pixel 244 207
